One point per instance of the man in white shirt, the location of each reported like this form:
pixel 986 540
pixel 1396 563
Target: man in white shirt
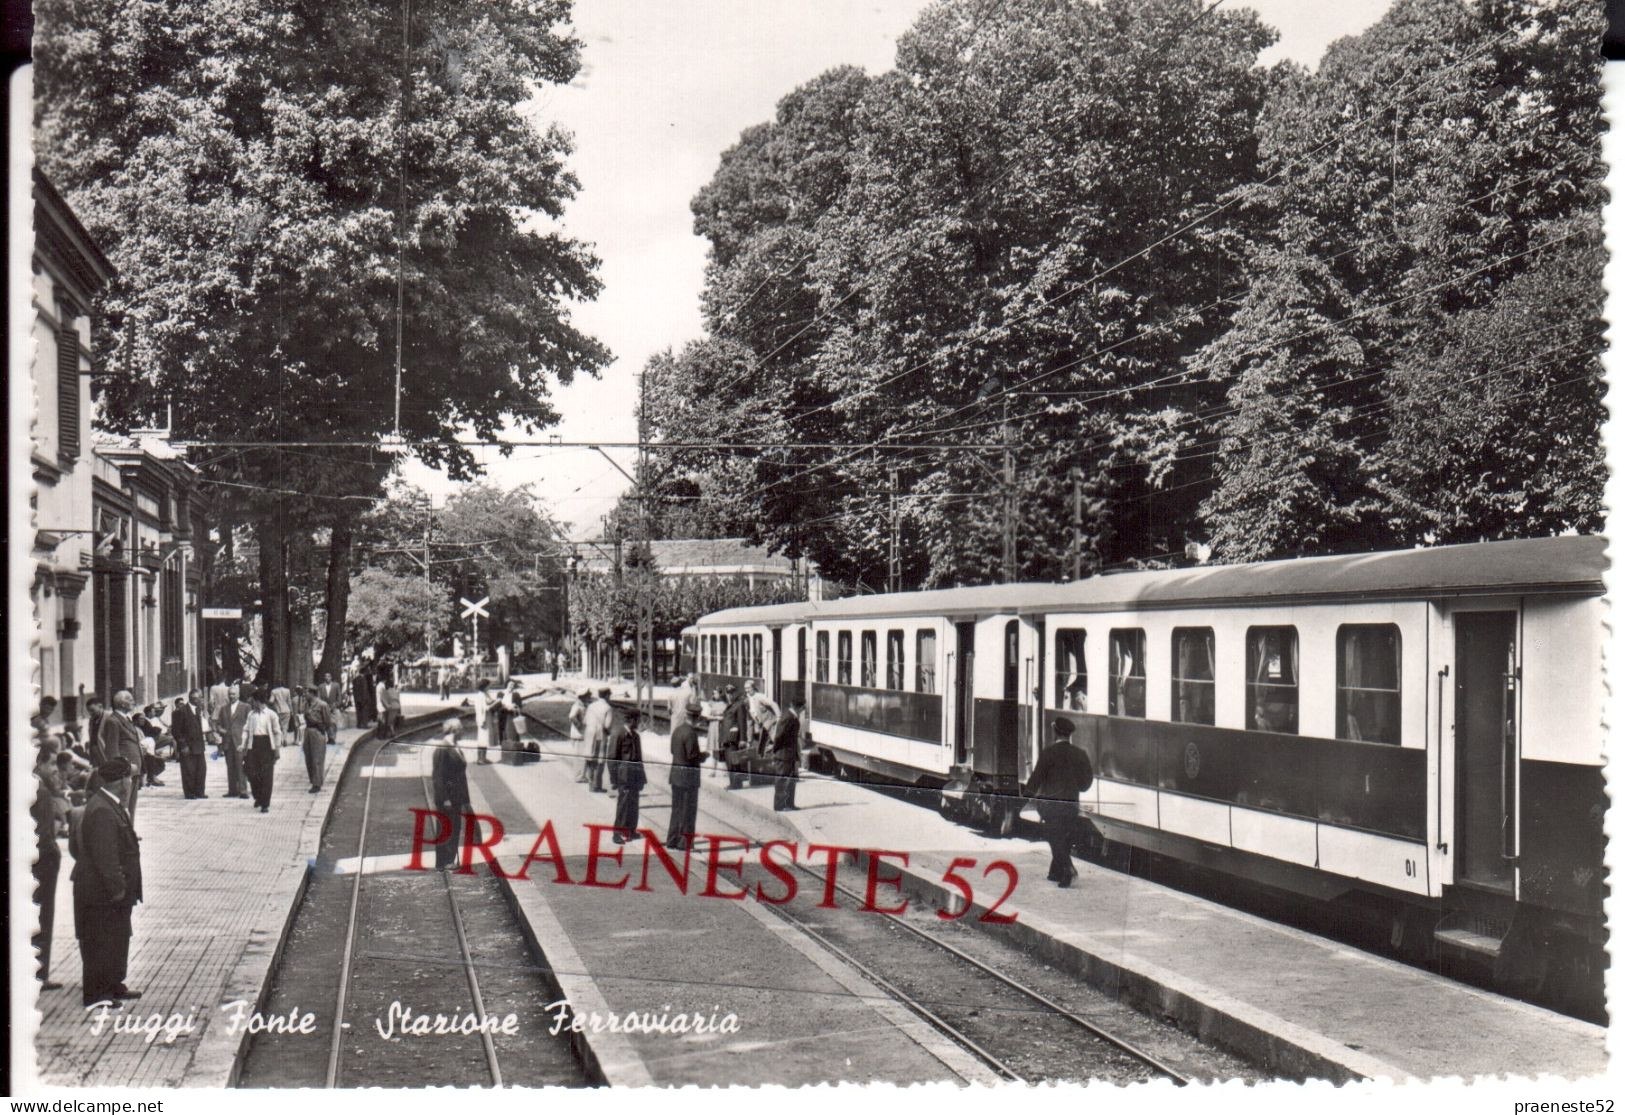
pixel 596 730
pixel 686 691
pixel 762 711
pixel 263 729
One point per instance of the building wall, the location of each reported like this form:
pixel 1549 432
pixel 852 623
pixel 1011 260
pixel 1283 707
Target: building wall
pixel 64 657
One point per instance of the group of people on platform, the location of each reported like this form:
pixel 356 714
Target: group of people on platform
pixel 87 791
pixel 734 726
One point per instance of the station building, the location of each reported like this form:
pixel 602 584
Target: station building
pixel 67 272
pixel 120 543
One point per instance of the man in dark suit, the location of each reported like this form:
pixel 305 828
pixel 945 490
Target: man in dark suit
pixel 786 743
pixel 626 774
pixel 366 701
pixel 1061 774
pixel 735 737
pixel 449 773
pixel 231 724
pixel 106 886
pixel 96 712
pixel 121 739
pixel 187 729
pixel 686 758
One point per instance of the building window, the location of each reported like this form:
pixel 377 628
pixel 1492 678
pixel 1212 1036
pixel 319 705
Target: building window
pixel 1193 675
pixel 1128 672
pixel 67 382
pixel 1368 682
pixel 843 658
pixel 821 657
pixel 1272 679
pixel 170 615
pixel 870 676
pixel 925 662
pixel 894 660
pixel 1071 675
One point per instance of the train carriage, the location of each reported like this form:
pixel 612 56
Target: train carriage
pixel 1423 727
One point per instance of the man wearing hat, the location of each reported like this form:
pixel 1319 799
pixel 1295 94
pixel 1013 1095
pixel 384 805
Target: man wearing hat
pixel 626 775
pixel 686 758
pixel 106 885
pixel 1061 774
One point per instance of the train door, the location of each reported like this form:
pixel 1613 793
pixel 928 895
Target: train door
pixel 964 690
pixel 1031 696
pixel 777 668
pixel 1486 746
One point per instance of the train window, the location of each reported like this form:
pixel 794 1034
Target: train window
pixel 711 654
pixel 1071 675
pixel 1128 672
pixel 821 657
pixel 734 656
pixel 843 658
pixel 894 660
pixel 1193 675
pixel 1272 679
pixel 756 670
pixel 1368 682
pixel 925 662
pixel 869 650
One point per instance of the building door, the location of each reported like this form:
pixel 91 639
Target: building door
pixel 1486 746
pixel 964 690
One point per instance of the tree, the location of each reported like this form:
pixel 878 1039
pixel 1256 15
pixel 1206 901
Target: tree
pixel 242 164
pixel 1439 177
pixel 393 611
pixel 971 266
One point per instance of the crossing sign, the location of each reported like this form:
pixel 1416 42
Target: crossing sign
pixel 475 607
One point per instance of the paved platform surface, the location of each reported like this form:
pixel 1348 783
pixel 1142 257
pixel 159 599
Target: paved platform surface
pixel 802 1016
pixel 1294 1001
pixel 220 879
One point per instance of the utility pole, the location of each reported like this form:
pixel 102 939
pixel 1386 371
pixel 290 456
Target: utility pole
pixel 894 560
pixel 1009 494
pixel 645 669
pixel 428 585
pixel 1077 524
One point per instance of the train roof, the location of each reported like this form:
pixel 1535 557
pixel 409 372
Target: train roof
pixel 1570 564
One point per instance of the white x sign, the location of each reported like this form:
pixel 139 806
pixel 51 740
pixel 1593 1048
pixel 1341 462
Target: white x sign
pixel 475 607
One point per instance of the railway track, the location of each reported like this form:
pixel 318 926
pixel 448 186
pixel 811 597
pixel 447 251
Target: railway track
pixel 997 1017
pixel 372 947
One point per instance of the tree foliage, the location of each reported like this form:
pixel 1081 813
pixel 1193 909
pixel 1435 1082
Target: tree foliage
pixel 1253 306
pixel 242 165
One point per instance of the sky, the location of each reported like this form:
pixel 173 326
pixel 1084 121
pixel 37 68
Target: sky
pixel 665 87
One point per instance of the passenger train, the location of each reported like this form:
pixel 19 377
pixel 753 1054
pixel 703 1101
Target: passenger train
pixel 1421 729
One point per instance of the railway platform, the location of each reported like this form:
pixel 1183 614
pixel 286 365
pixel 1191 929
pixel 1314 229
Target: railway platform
pixel 1295 1003
pixel 798 1015
pixel 220 882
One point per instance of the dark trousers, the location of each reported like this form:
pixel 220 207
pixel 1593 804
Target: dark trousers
pixel 315 755
pixel 193 773
pixel 445 854
pixel 261 770
pixel 234 770
pixel 784 791
pixel 1060 830
pixel 738 772
pixel 46 869
pixel 685 811
pixel 626 811
pixel 104 946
